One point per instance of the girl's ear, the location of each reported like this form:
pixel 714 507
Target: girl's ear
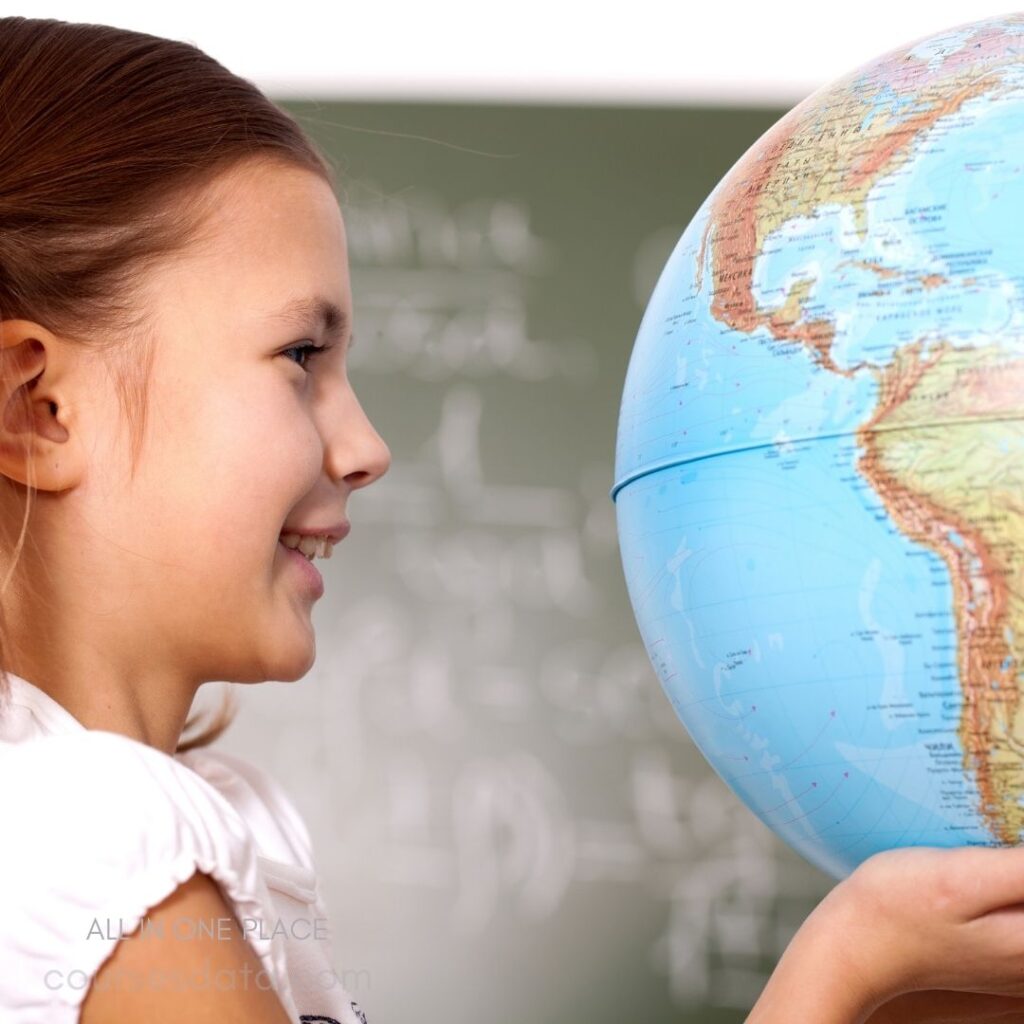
pixel 34 444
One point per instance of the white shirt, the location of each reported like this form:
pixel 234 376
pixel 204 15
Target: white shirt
pixel 97 828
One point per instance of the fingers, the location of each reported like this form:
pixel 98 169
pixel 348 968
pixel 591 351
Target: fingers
pixel 973 880
pixel 992 877
pixel 946 1007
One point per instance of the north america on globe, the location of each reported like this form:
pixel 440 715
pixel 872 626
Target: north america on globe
pixel 819 473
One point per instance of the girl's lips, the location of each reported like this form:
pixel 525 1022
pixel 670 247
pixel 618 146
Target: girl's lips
pixel 338 532
pixel 313 581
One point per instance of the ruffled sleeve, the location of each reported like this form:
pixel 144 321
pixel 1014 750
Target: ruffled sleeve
pixel 99 828
pixel 263 802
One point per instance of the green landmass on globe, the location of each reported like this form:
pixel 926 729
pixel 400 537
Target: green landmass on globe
pixel 819 477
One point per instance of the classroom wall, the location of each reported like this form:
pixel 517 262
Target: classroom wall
pixel 511 824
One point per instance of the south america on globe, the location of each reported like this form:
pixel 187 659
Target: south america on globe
pixel 819 467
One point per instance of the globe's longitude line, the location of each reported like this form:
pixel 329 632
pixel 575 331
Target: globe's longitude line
pixel 657 467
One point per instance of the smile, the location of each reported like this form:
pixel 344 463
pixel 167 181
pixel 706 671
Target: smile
pixel 311 547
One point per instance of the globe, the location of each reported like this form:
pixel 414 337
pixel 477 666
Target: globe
pixel 819 466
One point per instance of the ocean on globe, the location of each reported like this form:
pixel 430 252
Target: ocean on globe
pixel 819 469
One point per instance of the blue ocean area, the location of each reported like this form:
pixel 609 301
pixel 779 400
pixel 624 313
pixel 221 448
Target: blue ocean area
pixel 875 297
pixel 792 628
pixel 974 185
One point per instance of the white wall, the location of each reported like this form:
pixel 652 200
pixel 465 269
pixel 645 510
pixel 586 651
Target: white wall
pixel 762 53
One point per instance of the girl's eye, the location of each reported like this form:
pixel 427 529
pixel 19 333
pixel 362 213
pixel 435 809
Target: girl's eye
pixel 309 348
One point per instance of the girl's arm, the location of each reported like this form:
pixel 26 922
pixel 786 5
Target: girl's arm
pixel 820 977
pixel 913 935
pixel 162 974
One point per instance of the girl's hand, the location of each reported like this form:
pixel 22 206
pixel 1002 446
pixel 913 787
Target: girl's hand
pixel 937 1007
pixel 906 927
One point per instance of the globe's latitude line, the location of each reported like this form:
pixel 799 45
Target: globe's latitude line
pixel 685 460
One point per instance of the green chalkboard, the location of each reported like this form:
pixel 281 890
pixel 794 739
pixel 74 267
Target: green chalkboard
pixel 510 823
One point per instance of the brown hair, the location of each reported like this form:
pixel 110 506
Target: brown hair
pixel 109 138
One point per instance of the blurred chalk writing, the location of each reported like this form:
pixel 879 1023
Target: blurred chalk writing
pixel 442 291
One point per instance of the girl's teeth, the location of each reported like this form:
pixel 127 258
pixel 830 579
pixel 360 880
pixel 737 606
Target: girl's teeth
pixel 311 547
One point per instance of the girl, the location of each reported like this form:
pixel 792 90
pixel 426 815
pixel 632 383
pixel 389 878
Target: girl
pixel 175 416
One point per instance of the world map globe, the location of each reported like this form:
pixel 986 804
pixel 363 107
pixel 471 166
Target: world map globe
pixel 819 466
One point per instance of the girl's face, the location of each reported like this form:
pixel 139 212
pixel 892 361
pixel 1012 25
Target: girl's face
pixel 178 571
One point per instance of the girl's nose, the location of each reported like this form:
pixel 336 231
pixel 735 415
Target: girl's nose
pixel 358 451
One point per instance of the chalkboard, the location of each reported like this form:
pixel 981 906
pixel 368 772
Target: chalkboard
pixel 510 823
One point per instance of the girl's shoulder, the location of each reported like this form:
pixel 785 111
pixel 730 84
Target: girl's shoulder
pixel 265 804
pixel 98 782
pixel 98 828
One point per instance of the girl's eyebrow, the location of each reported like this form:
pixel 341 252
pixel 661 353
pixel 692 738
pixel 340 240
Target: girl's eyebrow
pixel 325 315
